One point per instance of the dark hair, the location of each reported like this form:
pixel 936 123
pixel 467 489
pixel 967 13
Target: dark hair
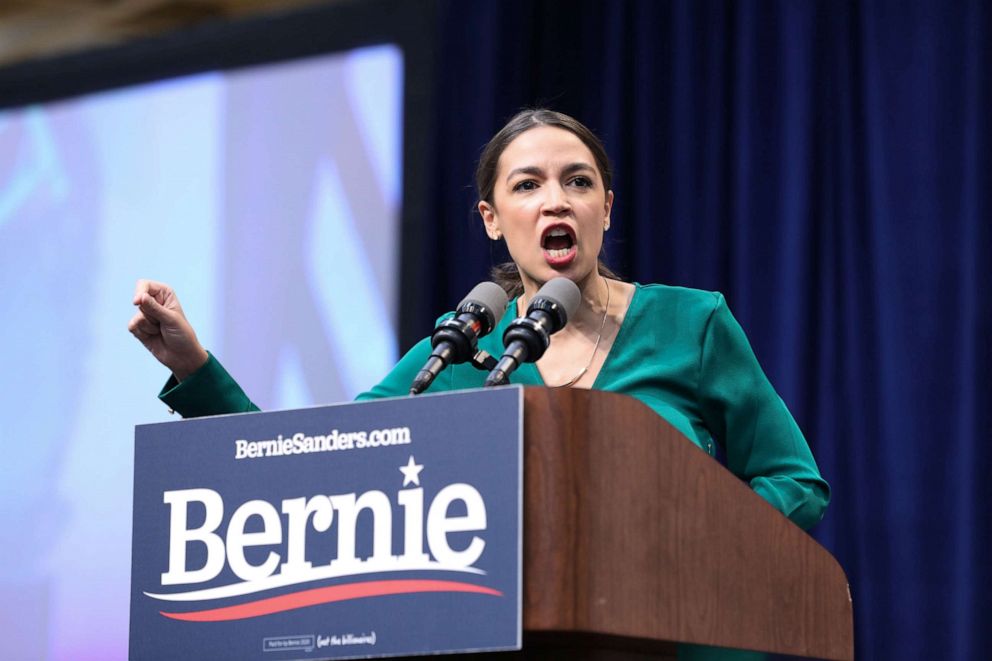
pixel 506 274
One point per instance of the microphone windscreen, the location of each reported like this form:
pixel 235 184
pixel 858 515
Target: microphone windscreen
pixel 490 297
pixel 564 292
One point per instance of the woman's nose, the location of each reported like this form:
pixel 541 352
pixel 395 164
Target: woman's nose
pixel 555 201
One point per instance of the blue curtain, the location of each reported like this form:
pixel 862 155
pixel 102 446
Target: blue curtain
pixel 827 166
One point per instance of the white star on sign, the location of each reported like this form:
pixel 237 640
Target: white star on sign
pixel 411 472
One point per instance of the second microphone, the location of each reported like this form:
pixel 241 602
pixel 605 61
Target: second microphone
pixel 527 337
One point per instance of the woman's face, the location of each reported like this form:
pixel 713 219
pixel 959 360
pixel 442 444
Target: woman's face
pixel 550 205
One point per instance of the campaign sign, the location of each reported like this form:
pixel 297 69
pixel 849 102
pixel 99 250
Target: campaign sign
pixel 379 528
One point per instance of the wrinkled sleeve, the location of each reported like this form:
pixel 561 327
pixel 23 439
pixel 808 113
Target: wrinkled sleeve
pixel 763 443
pixel 209 390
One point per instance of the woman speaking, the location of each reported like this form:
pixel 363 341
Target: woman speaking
pixel 544 188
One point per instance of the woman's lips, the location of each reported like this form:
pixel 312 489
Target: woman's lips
pixel 562 256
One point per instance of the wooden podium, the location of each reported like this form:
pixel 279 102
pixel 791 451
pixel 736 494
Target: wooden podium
pixel 635 539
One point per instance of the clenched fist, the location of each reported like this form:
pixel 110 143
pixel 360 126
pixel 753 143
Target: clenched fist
pixel 162 327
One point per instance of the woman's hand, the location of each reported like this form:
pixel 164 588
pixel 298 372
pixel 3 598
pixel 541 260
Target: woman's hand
pixel 161 326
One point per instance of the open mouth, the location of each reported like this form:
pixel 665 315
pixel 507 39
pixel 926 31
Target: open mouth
pixel 558 242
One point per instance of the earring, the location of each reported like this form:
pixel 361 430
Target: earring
pixel 606 226
pixel 497 235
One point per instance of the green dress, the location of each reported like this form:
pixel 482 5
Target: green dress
pixel 680 351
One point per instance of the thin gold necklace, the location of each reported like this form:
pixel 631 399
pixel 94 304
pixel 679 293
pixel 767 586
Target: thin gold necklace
pixel 599 339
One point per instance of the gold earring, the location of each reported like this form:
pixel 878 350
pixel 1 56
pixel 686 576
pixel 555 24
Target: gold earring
pixel 606 226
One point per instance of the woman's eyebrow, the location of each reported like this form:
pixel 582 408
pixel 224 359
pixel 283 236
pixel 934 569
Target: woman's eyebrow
pixel 535 171
pixel 532 170
pixel 579 166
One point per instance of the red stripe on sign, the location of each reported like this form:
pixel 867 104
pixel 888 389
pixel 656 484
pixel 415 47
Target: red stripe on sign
pixel 326 595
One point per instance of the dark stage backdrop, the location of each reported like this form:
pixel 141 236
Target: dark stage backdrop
pixel 827 166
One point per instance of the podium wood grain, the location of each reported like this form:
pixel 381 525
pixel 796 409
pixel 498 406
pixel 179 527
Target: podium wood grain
pixel 633 533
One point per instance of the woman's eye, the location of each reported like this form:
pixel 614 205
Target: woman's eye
pixel 525 185
pixel 582 182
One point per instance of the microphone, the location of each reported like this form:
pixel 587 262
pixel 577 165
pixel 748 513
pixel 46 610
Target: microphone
pixel 454 340
pixel 526 338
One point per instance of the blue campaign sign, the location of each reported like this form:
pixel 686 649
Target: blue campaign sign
pixel 371 529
